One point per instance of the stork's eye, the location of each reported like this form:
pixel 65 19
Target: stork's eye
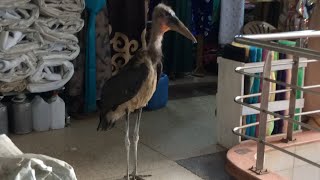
pixel 167 14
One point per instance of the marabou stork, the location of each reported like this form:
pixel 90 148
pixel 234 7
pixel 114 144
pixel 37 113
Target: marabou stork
pixel 134 85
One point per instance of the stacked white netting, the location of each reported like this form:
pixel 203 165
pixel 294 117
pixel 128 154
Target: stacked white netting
pixel 37 43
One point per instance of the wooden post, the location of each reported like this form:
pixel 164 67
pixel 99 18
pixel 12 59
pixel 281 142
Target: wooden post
pixel 199 71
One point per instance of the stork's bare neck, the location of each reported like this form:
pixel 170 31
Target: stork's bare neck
pixel 155 43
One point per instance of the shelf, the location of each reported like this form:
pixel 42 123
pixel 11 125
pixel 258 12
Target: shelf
pixel 231 85
pixel 262 1
pixel 274 106
pixel 26 92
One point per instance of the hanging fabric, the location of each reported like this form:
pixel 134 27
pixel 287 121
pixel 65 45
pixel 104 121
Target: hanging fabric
pixel 93 8
pixel 205 26
pixel 270 126
pixel 281 76
pixel 299 82
pixel 231 20
pixel 272 97
pixel 288 80
pixel 273 75
pixel 216 13
pixel 252 85
pixel 251 118
pixel 178 53
pixel 75 87
pixel 255 89
pixel 127 30
pixel 103 58
pixel 202 20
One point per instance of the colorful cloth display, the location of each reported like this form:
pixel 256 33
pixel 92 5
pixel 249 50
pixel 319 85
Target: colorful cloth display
pixel 248 54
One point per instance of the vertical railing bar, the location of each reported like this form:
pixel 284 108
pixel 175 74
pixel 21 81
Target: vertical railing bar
pixel 263 115
pixel 292 101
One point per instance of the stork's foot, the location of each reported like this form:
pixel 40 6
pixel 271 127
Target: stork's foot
pixel 137 177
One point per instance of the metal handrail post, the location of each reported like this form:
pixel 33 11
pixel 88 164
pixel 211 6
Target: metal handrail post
pixel 283 35
pixel 263 115
pixel 292 100
pixel 272 46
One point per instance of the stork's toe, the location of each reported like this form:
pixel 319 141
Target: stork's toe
pixel 137 177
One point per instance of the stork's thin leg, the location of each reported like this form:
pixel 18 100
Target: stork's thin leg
pixel 135 141
pixel 127 143
pixel 134 174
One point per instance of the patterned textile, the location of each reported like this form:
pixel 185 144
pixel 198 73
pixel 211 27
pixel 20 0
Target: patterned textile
pixel 127 30
pixel 75 85
pixel 17 86
pixel 202 21
pixel 120 32
pixel 103 50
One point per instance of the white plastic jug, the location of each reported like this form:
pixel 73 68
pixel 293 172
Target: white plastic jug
pixel 4 123
pixel 57 112
pixel 21 114
pixel 40 114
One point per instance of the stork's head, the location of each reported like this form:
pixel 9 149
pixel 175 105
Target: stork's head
pixel 167 20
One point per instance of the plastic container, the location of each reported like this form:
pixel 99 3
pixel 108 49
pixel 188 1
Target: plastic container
pixel 4 126
pixel 160 96
pixel 40 114
pixel 21 114
pixel 57 112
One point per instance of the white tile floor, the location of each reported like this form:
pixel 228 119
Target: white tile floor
pixel 293 168
pixel 184 129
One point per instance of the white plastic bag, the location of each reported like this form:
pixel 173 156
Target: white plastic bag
pixel 35 167
pixel 39 81
pixel 18 68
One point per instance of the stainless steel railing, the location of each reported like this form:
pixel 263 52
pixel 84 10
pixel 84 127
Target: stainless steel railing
pixel 263 41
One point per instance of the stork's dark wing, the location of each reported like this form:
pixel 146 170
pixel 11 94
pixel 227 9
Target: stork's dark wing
pixel 123 86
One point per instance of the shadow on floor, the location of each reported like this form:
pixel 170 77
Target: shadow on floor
pixel 187 91
pixel 208 167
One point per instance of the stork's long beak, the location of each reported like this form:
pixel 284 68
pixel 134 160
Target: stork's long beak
pixel 176 25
